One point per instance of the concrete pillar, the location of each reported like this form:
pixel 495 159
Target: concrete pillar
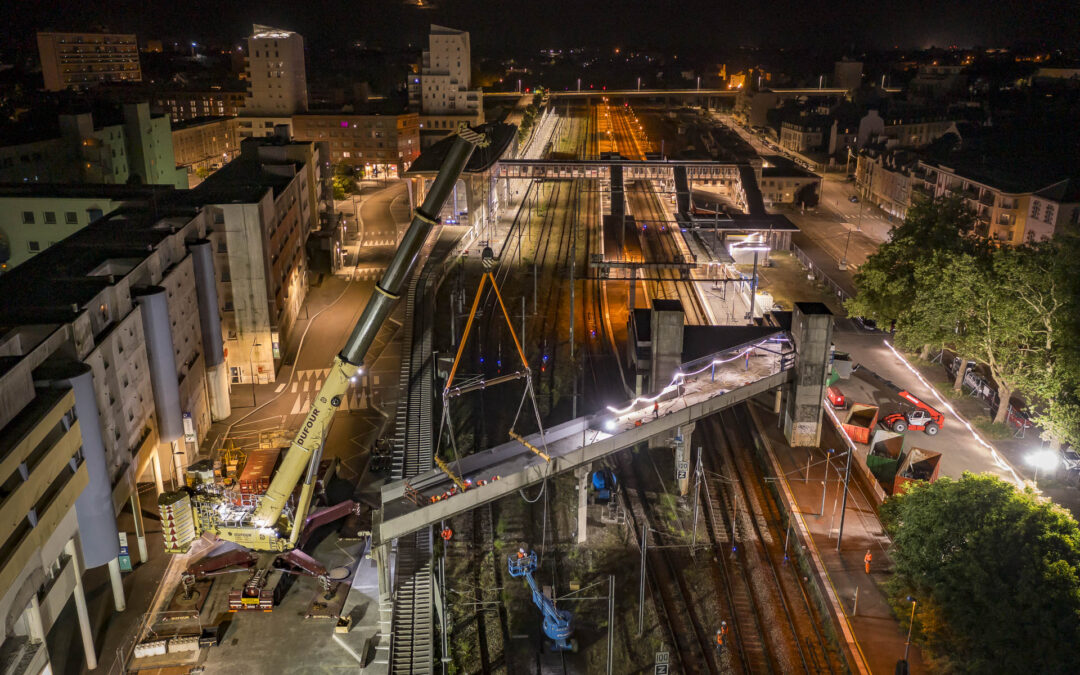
pixel 179 457
pixel 117 583
pixel 155 468
pixel 381 555
pixel 217 371
pixel 582 474
pixel 80 607
pixel 811 331
pixel 100 538
pixel 477 205
pixel 157 332
pixel 33 619
pixel 140 526
pixel 667 342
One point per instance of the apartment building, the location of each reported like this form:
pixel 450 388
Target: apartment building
pixel 44 469
pixel 111 369
pixel 1055 208
pixel 35 216
pixel 182 105
pixel 441 90
pixel 785 182
pixel 130 147
pixel 262 207
pixel 914 130
pixel 383 146
pixel 1000 203
pixel 1009 209
pixel 205 145
pixel 79 60
pixel 276 73
pixel 805 134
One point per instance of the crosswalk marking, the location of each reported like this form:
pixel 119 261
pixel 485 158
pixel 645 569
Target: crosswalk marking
pixel 296 406
pixel 294 386
pixel 318 384
pixel 280 388
pixel 307 385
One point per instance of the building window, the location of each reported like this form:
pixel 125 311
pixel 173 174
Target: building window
pixel 1035 208
pixel 28 217
pixel 50 217
pixel 1049 214
pixel 33 246
pixel 71 218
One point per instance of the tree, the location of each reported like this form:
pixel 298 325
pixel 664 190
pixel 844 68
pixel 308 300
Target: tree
pixel 1001 307
pixel 996 573
pixel 886 283
pixel 344 181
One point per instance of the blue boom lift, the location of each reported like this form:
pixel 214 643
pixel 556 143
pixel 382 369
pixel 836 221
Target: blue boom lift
pixel 604 485
pixel 557 622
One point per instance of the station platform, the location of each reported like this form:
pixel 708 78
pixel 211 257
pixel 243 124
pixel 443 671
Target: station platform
pixel 811 484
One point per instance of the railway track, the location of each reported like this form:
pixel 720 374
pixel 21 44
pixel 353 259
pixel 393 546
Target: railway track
pixel 772 598
pixel 673 599
pixel 657 245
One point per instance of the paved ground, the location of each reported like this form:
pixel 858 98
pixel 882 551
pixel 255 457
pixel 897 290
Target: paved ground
pixel 868 626
pixel 330 310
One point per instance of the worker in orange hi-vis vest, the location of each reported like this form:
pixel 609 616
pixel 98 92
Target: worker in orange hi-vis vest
pixel 656 409
pixel 721 634
pixel 521 553
pixel 867 560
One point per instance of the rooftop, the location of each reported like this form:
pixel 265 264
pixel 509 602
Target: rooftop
pixel 782 167
pixel 82 190
pixel 246 178
pixel 45 288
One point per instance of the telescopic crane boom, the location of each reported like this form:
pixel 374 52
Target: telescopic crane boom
pixel 266 528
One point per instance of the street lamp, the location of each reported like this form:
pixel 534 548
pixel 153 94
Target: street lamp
pixel 1047 460
pixel 902 666
pixel 754 243
pixel 843 259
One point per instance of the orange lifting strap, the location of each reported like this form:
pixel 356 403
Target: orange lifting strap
pixel 469 323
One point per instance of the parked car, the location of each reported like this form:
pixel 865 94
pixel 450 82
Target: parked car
pixel 853 199
pixel 866 324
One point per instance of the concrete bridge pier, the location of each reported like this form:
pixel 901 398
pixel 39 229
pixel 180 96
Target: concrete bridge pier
pixel 582 474
pixel 811 331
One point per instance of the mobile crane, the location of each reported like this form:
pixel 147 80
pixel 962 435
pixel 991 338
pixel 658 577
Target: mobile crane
pixel 272 524
pixel 924 417
pixel 557 622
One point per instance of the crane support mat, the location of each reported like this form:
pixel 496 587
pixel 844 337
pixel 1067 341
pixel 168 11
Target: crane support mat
pixel 324 608
pixel 178 603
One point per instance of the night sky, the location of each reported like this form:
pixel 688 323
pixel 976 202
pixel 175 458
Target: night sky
pixel 505 26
